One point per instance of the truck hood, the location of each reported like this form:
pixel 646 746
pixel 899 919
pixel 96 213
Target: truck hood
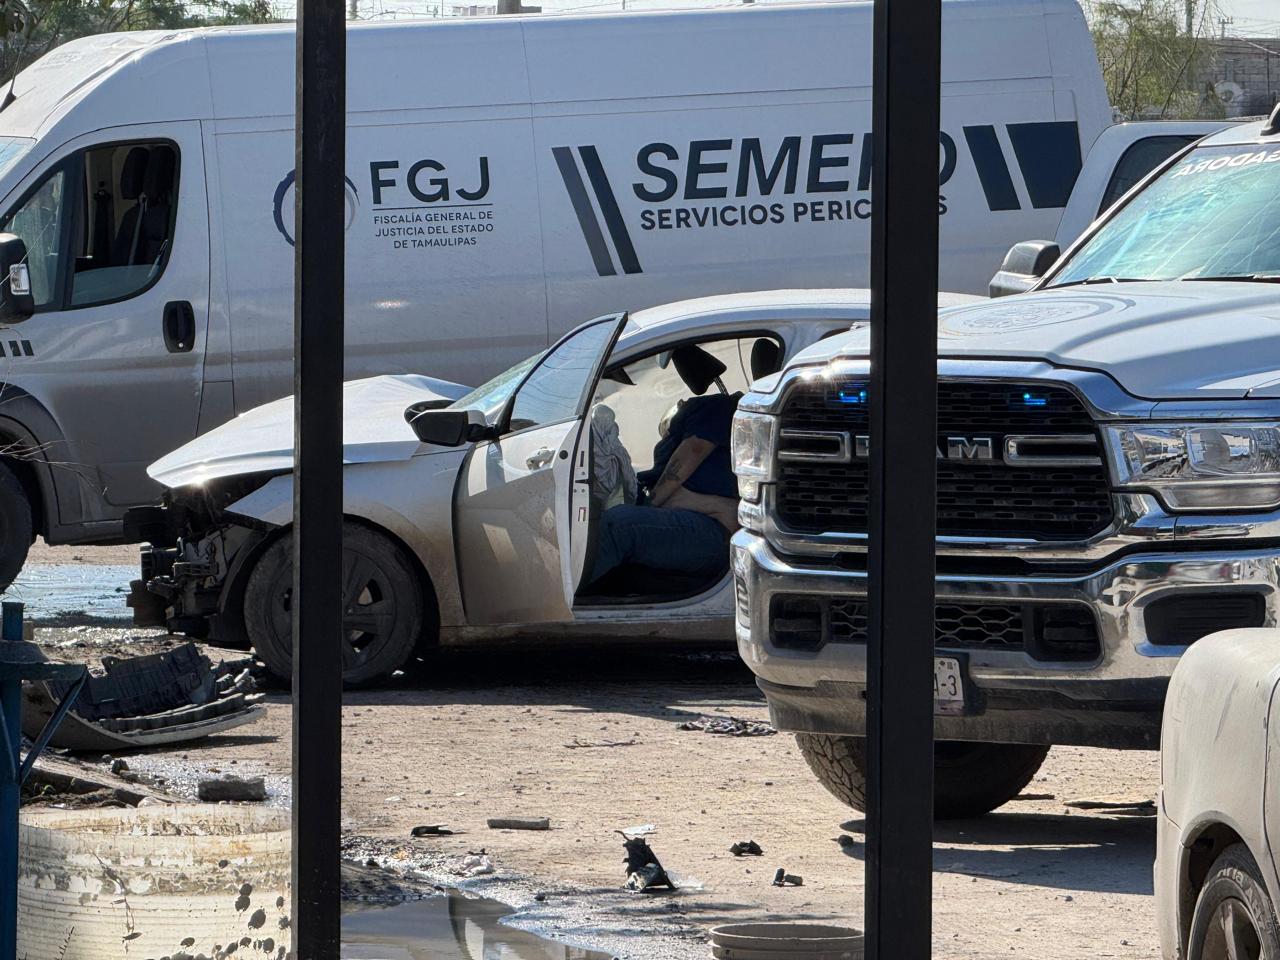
pixel 261 440
pixel 1159 341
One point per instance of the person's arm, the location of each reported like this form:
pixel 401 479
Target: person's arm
pixel 686 459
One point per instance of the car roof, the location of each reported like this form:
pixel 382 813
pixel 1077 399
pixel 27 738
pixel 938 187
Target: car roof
pixel 1241 134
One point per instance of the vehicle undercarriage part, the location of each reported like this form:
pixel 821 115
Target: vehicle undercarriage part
pixel 161 698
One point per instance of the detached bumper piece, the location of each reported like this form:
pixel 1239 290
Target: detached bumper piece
pixel 163 698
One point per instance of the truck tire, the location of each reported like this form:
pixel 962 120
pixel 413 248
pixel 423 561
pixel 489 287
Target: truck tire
pixel 969 779
pixel 1234 917
pixel 16 527
pixel 384 607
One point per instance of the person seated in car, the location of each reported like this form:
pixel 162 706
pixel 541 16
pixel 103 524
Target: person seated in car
pixel 689 501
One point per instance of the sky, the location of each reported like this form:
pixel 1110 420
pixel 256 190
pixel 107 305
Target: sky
pixel 1253 18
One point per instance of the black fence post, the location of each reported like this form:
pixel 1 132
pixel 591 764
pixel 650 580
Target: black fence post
pixel 320 219
pixel 904 272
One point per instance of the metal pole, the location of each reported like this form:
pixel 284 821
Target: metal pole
pixel 10 786
pixel 320 221
pixel 904 272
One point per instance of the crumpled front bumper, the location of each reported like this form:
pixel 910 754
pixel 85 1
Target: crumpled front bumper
pixel 1114 700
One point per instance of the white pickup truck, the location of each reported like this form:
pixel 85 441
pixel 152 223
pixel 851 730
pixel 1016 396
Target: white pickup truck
pixel 1108 487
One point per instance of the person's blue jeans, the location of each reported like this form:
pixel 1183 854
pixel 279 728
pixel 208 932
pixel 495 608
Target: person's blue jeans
pixel 677 540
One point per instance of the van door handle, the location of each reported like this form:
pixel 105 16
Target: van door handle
pixel 540 458
pixel 179 326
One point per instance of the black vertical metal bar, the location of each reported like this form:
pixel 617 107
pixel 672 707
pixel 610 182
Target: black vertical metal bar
pixel 904 271
pixel 320 219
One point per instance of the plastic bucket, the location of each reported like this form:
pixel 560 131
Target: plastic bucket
pixel 786 941
pixel 163 881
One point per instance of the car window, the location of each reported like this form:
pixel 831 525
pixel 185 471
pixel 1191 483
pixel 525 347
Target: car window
pixel 125 232
pixel 491 397
pixel 556 389
pixel 1136 162
pixel 38 223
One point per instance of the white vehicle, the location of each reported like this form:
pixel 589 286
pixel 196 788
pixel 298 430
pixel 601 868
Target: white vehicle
pixel 1216 880
pixel 1108 488
pixel 487 529
pixel 507 177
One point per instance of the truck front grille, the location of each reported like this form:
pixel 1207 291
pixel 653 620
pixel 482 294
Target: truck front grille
pixel 825 489
pixel 1053 632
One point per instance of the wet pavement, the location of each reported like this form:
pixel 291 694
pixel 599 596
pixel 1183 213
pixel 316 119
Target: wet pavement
pixel 448 927
pixel 74 593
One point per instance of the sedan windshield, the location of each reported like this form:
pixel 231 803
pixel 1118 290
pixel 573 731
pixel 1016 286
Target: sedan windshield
pixel 491 397
pixel 1214 215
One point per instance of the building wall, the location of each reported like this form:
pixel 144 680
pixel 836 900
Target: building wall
pixel 1245 75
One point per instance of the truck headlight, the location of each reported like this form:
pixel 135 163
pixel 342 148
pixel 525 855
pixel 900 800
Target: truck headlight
pixel 754 439
pixel 1197 466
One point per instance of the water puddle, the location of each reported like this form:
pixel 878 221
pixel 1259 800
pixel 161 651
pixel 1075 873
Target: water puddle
pixel 451 927
pixel 74 593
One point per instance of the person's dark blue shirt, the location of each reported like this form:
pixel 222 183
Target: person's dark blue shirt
pixel 709 418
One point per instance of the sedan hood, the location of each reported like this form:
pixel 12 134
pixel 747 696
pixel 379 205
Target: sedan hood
pixel 1159 341
pixel 261 440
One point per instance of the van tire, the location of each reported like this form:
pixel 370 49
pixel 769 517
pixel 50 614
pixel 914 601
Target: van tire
pixel 1234 898
pixel 388 581
pixel 17 530
pixel 969 778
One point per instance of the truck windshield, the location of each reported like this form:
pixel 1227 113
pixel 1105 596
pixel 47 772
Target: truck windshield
pixel 1214 215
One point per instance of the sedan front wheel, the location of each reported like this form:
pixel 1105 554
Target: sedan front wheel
pixel 1234 918
pixel 382 602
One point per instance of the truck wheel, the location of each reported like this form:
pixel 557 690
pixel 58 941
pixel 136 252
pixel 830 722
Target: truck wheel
pixel 382 600
pixel 969 779
pixel 16 527
pixel 1234 918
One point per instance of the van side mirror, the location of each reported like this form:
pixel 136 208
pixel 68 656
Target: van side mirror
pixel 16 300
pixel 446 428
pixel 1023 266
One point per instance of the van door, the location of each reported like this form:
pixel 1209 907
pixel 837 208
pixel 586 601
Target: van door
pixel 116 228
pixel 518 496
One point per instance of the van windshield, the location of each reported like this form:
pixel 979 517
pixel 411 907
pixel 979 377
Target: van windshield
pixel 1214 215
pixel 491 397
pixel 11 150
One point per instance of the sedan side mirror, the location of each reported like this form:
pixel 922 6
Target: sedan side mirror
pixel 446 428
pixel 1023 266
pixel 16 300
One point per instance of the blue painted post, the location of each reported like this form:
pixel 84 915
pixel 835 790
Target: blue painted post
pixel 10 787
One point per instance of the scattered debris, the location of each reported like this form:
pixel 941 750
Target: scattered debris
pixel 846 841
pixel 519 823
pixel 578 744
pixel 639 830
pixel 477 865
pixel 1027 797
pixel 60 779
pixel 747 848
pixel 644 870
pixel 729 726
pixel 783 879
pixel 431 830
pixel 231 789
pixel 159 698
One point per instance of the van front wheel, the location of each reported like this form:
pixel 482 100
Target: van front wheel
pixel 969 778
pixel 17 529
pixel 383 607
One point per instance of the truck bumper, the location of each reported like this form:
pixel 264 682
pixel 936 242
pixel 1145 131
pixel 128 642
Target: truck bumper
pixel 1012 693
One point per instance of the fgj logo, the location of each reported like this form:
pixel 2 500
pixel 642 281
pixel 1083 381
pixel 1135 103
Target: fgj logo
pixel 284 193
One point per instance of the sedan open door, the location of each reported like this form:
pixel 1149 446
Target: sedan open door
pixel 524 497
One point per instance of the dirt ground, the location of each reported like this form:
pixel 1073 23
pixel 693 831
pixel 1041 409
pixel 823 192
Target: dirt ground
pixel 590 740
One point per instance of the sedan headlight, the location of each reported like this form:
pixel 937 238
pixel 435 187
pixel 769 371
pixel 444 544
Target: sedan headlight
pixel 754 439
pixel 1216 466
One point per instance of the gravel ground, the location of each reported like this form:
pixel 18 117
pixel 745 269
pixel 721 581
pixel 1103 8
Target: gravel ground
pixel 590 740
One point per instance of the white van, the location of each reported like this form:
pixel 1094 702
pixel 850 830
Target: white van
pixel 508 178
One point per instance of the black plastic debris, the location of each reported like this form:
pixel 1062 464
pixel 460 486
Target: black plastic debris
pixel 431 830
pixel 644 870
pixel 783 879
pixel 747 848
pixel 729 726
pixel 169 697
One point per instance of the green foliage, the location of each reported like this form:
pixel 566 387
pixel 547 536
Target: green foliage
pixel 1153 65
pixel 31 28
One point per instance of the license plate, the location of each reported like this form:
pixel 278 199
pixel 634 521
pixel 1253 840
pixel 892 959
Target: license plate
pixel 948 685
